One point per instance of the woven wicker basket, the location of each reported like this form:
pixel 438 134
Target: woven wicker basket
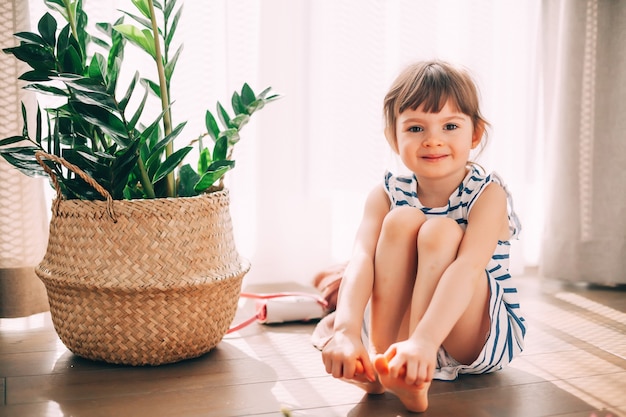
pixel 142 282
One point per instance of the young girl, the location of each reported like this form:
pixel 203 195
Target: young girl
pixel 429 271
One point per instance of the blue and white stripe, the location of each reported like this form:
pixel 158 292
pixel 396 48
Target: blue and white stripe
pixel 506 336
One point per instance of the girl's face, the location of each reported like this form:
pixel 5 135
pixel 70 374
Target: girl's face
pixel 436 145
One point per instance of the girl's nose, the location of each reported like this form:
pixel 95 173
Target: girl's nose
pixel 432 140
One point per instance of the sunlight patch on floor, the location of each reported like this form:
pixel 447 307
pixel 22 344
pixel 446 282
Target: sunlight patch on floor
pixel 585 375
pixel 592 332
pixel 36 321
pixel 592 306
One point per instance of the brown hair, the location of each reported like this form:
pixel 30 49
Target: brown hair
pixel 431 84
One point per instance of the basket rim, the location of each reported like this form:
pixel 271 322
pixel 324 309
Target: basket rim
pixel 214 194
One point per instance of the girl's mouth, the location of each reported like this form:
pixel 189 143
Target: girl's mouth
pixel 434 158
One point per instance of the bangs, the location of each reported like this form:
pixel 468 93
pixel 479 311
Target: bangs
pixel 432 87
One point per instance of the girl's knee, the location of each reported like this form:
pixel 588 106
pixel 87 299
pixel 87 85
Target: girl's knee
pixel 439 231
pixel 402 221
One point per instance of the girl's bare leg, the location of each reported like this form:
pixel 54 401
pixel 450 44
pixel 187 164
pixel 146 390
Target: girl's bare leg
pixel 395 266
pixel 437 244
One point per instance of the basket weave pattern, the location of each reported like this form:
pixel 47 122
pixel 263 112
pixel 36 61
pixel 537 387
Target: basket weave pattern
pixel 158 285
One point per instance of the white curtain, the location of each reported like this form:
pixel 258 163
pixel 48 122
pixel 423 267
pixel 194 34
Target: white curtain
pixel 23 225
pixel 584 91
pixel 321 149
pixel 306 162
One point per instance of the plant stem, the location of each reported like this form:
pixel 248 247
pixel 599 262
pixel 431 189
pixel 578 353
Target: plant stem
pixel 165 102
pixel 145 181
pixel 71 19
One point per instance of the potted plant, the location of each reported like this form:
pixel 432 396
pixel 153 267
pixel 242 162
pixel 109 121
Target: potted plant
pixel 141 267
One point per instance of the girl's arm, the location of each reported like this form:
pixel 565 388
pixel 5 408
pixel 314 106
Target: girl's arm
pixel 355 291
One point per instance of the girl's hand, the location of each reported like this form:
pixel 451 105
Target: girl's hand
pixel 414 360
pixel 345 357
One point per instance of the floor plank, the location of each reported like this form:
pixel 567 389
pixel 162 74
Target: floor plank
pixel 574 365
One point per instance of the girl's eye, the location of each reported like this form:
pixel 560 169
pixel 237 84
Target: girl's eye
pixel 415 129
pixel 450 126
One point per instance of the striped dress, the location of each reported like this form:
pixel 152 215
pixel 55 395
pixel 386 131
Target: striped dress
pixel 506 336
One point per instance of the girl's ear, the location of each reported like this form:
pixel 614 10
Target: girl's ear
pixel 479 131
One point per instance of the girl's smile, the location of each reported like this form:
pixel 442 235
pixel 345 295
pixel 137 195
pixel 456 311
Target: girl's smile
pixel 433 158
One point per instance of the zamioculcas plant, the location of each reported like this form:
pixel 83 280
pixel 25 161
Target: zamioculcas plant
pixel 97 129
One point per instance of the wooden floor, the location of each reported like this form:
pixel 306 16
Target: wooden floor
pixel 574 366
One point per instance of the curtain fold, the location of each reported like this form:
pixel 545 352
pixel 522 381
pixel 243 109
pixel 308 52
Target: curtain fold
pixel 584 88
pixel 23 212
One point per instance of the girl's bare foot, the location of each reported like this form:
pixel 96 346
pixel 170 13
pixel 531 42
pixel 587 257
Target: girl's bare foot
pixel 414 397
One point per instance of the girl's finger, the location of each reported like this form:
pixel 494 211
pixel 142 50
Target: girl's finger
pixel 359 369
pixel 364 367
pixel 337 369
pixel 422 373
pixel 410 373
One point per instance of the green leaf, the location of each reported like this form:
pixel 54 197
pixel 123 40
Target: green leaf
pixel 142 21
pixel 152 164
pixel 168 8
pixel 46 89
pixel 72 62
pixel 24 120
pixel 238 106
pixel 272 98
pixel 240 121
pixel 38 127
pixel 98 67
pixel 105 120
pixel 57 5
pixel 34 76
pixel 231 134
pixel 213 175
pixel 38 57
pixel 47 27
pixel 29 37
pixel 160 145
pixel 106 28
pixel 171 64
pixel 95 99
pixel 221 149
pixel 63 42
pixel 153 129
pixel 122 167
pixel 172 30
pixel 256 105
pixel 264 93
pixel 223 115
pixel 129 91
pixel 247 95
pixel 142 38
pixel 11 140
pixel 171 163
pixel 187 178
pixel 23 158
pixel 152 86
pixel 204 160
pixel 135 119
pixel 143 7
pixel 211 125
